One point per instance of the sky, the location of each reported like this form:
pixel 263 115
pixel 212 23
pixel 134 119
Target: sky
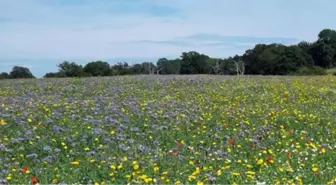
pixel 39 34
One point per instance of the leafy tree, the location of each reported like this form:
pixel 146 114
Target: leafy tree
pixel 149 68
pixel 275 59
pixel 323 54
pixel 20 72
pixel 4 75
pixel 169 66
pixel 98 68
pixel 137 69
pixel 227 66
pixel 327 35
pixel 214 66
pixel 55 75
pixel 292 59
pixel 71 69
pixel 121 69
pixel 193 63
pixel 163 64
pixel 251 59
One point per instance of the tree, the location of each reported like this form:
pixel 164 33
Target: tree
pixel 121 69
pixel 193 63
pixel 98 68
pixel 20 72
pixel 149 68
pixel 327 35
pixel 214 65
pixel 228 67
pixel 323 54
pixel 251 59
pixel 4 75
pixel 291 60
pixel 163 65
pixel 54 75
pixel 137 69
pixel 71 69
pixel 239 66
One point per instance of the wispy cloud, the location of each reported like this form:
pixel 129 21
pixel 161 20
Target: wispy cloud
pixel 204 39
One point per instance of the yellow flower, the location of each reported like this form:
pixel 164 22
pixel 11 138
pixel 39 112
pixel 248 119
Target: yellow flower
pixel 219 172
pixel 29 120
pixel 9 176
pixel 260 161
pixel 315 169
pixel 200 183
pixel 2 122
pixel 191 177
pixel 113 167
pixel 112 132
pixel 75 163
pixel 54 181
pixel 323 150
pixel 177 182
pixel 120 166
pixel 136 166
pixel 250 172
pixel 156 169
pixel 235 174
pixel 96 183
pixel 148 180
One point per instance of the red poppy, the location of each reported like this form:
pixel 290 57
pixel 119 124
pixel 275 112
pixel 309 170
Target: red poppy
pixel 231 141
pixel 289 154
pixel 291 131
pixel 269 159
pixel 34 180
pixel 251 146
pixel 24 169
pixel 308 142
pixel 174 153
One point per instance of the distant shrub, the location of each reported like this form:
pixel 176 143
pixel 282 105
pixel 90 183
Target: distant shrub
pixel 313 70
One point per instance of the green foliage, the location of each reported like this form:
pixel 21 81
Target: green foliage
pixel 98 68
pixel 20 72
pixel 4 76
pixel 312 70
pixel 55 75
pixel 193 63
pixel 169 66
pixel 71 69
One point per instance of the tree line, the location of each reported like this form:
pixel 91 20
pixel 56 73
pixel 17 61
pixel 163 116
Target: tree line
pixel 304 58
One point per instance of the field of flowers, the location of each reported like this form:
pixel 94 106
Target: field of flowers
pixel 168 130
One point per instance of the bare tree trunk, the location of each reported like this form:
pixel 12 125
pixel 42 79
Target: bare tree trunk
pixel 158 71
pixel 240 67
pixel 216 68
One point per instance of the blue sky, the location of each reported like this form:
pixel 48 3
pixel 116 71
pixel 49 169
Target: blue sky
pixel 40 34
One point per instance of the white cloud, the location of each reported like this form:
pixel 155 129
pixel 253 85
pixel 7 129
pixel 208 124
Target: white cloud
pixel 98 29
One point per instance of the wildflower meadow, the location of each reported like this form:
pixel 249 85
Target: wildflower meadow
pixel 168 130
